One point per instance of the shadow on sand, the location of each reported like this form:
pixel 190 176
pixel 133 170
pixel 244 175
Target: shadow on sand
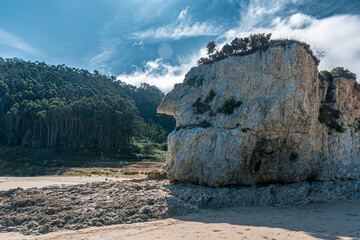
pixel 330 221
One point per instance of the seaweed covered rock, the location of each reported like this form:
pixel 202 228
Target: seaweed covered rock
pixel 270 117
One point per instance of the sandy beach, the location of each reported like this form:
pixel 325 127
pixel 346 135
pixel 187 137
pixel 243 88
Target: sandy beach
pixel 338 220
pixel 7 183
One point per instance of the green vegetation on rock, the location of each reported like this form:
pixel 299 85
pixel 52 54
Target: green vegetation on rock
pixel 200 107
pixel 229 106
pixel 338 72
pixel 343 72
pixel 329 116
pixel 210 97
pixel 202 124
pixel 248 45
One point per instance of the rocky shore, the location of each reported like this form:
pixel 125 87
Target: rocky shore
pixel 49 209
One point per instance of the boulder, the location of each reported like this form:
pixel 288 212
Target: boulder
pixel 262 118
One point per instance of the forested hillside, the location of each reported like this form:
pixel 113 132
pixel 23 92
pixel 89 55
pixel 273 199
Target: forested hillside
pixel 57 107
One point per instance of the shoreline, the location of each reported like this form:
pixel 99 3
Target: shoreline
pixel 133 209
pixel 336 220
pixel 7 183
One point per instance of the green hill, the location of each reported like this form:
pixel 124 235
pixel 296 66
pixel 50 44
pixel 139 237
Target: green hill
pixel 68 109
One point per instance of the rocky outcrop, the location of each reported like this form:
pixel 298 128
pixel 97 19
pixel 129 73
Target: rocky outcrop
pixel 263 118
pixel 54 208
pixel 49 209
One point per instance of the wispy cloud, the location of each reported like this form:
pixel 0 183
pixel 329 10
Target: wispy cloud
pixel 98 61
pixel 161 74
pixel 13 41
pixel 182 27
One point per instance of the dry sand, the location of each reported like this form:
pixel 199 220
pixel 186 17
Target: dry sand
pixel 7 183
pixel 337 220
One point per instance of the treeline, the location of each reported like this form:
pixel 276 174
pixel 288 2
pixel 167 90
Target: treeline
pixel 57 107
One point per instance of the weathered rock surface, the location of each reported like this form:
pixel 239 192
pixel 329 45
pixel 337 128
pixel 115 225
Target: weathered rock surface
pixel 275 134
pixel 43 210
pixel 34 211
pixel 270 195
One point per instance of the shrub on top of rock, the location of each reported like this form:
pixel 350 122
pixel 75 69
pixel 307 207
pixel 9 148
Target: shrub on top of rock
pixel 259 41
pixel 343 72
pixel 339 72
pixel 211 47
pixel 327 74
pixel 246 46
pixel 237 46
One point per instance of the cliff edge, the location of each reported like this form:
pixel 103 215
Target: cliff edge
pixel 265 117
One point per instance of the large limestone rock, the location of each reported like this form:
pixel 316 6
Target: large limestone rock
pixel 275 134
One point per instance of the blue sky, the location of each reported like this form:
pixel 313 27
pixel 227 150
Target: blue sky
pixel 158 41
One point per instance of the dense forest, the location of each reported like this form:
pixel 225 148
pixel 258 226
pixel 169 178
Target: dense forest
pixel 63 108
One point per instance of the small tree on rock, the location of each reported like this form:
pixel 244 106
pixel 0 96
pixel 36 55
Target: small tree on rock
pixel 211 46
pixel 227 49
pixel 240 44
pixel 258 41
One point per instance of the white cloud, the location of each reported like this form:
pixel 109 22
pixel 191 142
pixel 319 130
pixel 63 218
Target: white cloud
pixel 338 35
pixel 259 12
pixel 161 74
pixel 183 15
pixel 182 27
pixel 13 41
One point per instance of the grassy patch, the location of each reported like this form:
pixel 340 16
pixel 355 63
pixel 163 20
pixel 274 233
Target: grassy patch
pixel 337 127
pixel 323 114
pixel 210 97
pixel 126 171
pixel 229 106
pixel 329 116
pixel 200 107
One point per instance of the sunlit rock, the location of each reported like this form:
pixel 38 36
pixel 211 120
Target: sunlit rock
pixel 255 119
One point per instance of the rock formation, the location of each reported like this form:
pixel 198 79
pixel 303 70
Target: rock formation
pixel 262 118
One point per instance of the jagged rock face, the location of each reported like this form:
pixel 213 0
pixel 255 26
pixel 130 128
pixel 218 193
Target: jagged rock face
pixel 275 134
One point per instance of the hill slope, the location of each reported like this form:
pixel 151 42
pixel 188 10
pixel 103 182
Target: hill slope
pixel 57 107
